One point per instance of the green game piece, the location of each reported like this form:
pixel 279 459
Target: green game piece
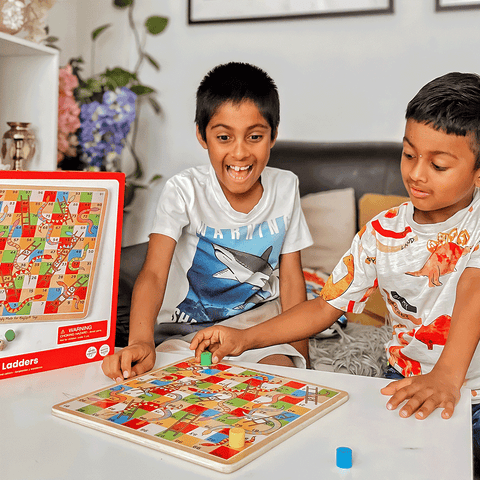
pixel 206 359
pixel 10 335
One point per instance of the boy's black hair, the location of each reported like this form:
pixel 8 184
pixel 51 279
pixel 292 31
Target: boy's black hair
pixel 450 103
pixel 236 82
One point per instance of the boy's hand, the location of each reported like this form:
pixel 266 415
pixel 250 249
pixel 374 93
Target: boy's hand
pixel 424 393
pixel 133 360
pixel 221 341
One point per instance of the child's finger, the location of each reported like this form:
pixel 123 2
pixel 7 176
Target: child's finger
pixel 126 361
pixel 201 347
pixel 200 337
pixel 111 367
pixel 428 406
pixel 196 340
pixel 219 353
pixel 448 410
pixel 434 402
pixel 419 405
pixel 400 395
pixel 394 386
pixel 141 367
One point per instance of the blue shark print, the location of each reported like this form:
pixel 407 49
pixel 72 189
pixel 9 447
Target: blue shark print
pixel 232 271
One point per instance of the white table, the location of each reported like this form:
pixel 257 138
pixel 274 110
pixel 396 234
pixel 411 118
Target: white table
pixel 36 445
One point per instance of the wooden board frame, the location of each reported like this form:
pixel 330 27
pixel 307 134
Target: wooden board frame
pixel 40 343
pixel 196 411
pixel 20 248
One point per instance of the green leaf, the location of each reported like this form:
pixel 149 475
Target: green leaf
pixel 155 178
pixel 94 85
pixel 83 93
pixel 152 61
pixel 156 24
pixel 51 39
pixel 122 3
pixel 141 89
pixel 118 77
pixel 155 105
pixel 99 30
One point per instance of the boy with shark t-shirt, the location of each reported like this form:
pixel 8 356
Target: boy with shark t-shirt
pixel 226 240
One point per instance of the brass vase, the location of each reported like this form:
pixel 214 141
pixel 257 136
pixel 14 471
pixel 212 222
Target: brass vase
pixel 18 145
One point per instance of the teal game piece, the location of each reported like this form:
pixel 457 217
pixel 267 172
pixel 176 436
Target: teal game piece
pixel 10 335
pixel 206 359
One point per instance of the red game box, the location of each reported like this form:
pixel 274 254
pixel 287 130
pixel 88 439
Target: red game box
pixel 60 240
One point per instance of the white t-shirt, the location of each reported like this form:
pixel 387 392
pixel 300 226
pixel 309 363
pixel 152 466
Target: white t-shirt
pixel 417 268
pixel 226 262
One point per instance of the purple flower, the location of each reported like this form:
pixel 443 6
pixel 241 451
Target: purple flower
pixel 106 125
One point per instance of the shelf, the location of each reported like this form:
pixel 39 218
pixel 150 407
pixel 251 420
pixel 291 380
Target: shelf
pixel 29 93
pixel 11 46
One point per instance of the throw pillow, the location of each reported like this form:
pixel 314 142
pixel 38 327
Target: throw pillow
pixel 331 218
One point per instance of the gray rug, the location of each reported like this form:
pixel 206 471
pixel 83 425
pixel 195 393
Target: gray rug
pixel 357 349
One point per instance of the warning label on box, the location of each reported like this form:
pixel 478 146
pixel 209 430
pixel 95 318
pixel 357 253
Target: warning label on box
pixel 82 332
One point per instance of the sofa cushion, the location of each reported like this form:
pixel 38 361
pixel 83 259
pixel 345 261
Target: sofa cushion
pixel 331 218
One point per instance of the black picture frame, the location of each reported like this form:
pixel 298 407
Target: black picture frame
pixel 221 9
pixel 448 5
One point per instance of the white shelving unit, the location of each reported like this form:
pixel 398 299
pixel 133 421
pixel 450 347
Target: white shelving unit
pixel 29 93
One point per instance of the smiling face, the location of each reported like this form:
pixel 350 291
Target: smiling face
pixel 238 140
pixel 438 172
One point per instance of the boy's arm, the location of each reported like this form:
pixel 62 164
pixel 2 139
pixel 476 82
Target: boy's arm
pixel 299 322
pixel 147 297
pixel 293 291
pixel 441 387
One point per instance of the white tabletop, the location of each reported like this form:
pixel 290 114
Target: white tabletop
pixel 36 445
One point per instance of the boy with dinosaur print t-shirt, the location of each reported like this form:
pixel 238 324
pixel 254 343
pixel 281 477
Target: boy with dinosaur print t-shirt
pixel 424 257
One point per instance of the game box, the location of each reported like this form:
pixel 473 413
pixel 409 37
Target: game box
pixel 60 240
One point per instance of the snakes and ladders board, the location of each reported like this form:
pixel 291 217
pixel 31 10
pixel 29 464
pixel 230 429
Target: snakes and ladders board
pixel 187 410
pixel 60 240
pixel 49 243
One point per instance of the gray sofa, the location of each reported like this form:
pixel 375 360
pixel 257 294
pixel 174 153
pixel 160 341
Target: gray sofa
pixel 368 167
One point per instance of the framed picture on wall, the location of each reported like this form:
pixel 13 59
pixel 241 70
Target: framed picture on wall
pixel 441 5
pixel 213 11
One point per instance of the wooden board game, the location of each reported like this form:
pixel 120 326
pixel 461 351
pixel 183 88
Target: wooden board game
pixel 187 410
pixel 49 242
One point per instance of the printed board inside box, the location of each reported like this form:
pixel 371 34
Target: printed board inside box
pixel 60 239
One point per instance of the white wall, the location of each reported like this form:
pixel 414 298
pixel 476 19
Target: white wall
pixel 340 79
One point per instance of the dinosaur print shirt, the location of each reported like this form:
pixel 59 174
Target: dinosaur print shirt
pixel 416 267
pixel 225 262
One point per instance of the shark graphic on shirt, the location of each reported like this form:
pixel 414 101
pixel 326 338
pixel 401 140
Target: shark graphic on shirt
pixel 247 268
pixel 232 271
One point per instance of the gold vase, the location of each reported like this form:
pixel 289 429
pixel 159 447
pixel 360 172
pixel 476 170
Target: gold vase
pixel 18 145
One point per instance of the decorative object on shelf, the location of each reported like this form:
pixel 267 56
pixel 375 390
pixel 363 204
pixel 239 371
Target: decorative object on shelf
pixel 26 17
pixel 441 5
pixel 12 16
pixel 213 11
pixel 105 108
pixel 18 145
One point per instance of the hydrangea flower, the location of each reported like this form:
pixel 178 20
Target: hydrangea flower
pixel 68 114
pixel 105 126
